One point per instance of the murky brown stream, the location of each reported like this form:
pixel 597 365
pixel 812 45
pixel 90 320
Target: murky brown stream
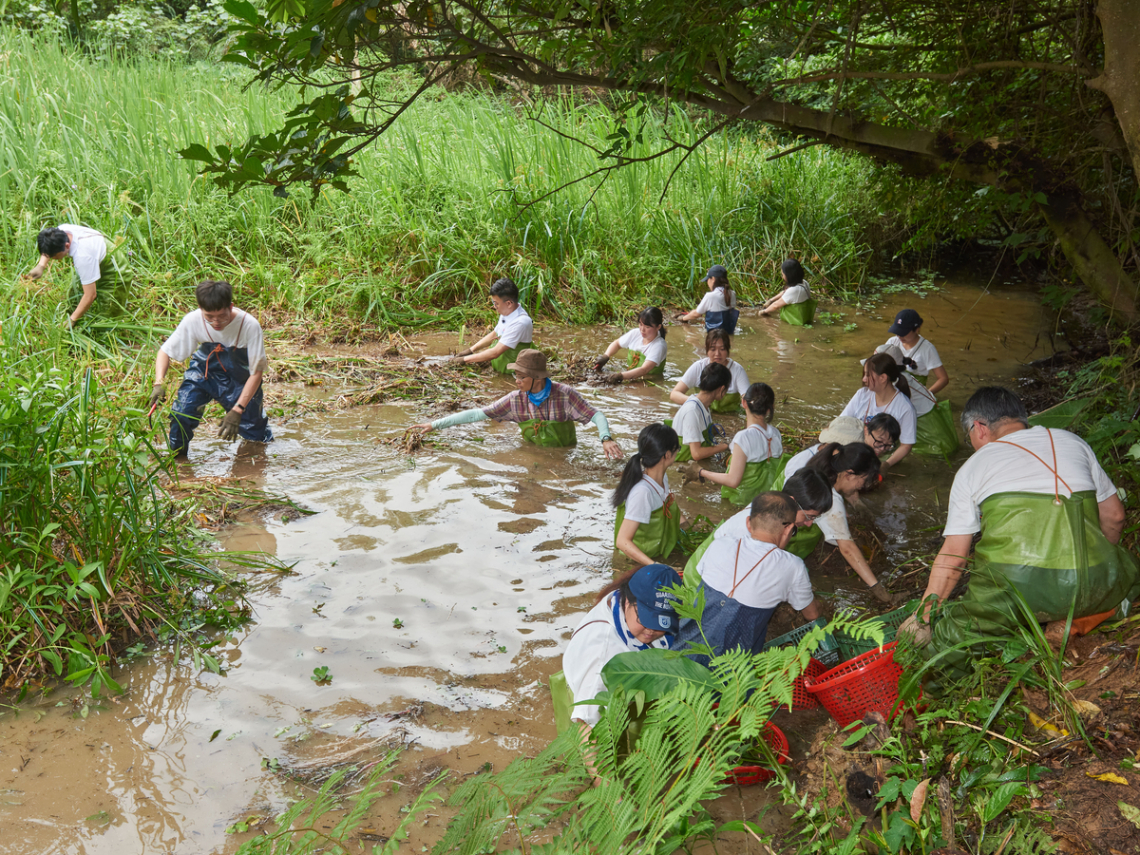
pixel 483 549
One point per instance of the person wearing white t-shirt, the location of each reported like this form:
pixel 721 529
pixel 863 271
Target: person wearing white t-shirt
pixel 87 248
pixel 718 346
pixel 745 579
pixel 646 346
pixel 1050 521
pixel 920 357
pixel 885 390
pixel 513 333
pixel 694 422
pixel 648 522
pixel 718 306
pixel 226 353
pixel 796 288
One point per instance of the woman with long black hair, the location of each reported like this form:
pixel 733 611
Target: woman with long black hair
pixel 886 390
pixel 648 520
pixel 646 346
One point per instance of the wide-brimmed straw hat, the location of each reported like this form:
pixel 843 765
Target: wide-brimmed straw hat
pixel 532 363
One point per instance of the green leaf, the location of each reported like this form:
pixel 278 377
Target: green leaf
pixel 656 672
pixel 242 9
pixel 1001 798
pixel 1060 416
pixel 195 151
pixel 1132 814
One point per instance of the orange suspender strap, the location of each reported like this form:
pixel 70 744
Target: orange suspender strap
pixel 583 626
pixel 1055 468
pixel 736 584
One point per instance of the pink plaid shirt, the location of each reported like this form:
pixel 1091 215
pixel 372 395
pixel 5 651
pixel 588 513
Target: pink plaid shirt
pixel 565 404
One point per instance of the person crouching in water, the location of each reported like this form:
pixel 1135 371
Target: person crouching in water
pixel 694 417
pixel 544 410
pixel 646 346
pixel 745 579
pixel 648 520
pixel 227 357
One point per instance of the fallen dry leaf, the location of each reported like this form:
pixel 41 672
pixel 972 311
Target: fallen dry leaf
pixel 918 799
pixel 1109 778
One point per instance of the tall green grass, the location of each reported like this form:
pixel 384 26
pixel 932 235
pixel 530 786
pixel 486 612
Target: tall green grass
pixel 438 209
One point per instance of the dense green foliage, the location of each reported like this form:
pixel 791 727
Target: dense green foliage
pixel 441 208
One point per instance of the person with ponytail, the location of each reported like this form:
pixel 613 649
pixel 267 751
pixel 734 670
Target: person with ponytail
pixel 885 390
pixel 718 345
pixel 648 521
pixel 646 346
pixel 718 306
pixel 757 457
pixel 935 431
pixel 848 467
pixel 919 356
pixel 794 303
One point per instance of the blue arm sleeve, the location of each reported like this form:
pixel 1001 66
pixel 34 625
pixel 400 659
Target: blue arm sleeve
pixel 603 426
pixel 464 418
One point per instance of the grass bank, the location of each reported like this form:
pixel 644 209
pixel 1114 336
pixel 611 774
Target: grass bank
pixel 452 197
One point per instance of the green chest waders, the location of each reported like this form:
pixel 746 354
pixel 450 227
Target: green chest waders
pixel 636 360
pixel 546 434
pixel 686 454
pixel 758 478
pixel 805 540
pixel 500 362
pixel 657 537
pixel 935 432
pixel 1048 549
pixel 111 288
pixel 729 404
pixel 799 314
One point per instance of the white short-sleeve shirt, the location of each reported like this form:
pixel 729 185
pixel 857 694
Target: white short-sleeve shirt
pixel 758 443
pixel 691 420
pixel 797 294
pixel 88 249
pixel 242 331
pixel 863 407
pixel 654 351
pixel 799 461
pixel 924 354
pixel 515 329
pixel 692 376
pixel 997 467
pixel 595 642
pixel 714 301
pixel 760 575
pixel 645 497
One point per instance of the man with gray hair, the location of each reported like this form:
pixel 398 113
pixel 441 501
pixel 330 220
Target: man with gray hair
pixel 1050 522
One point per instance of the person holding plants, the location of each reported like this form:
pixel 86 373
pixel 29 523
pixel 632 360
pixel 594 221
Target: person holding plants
pixel 227 357
pixel 545 411
pixel 514 331
pixel 646 346
pixel 1050 521
pixel 745 579
pixel 718 306
pixel 794 303
pixel 693 421
pixel 885 390
pixel 920 357
pixel 757 457
pixel 648 522
pixel 88 250
pixel 634 612
pixel 848 465
pixel 718 344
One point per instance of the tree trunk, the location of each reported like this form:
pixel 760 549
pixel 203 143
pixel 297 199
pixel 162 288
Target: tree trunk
pixel 1092 258
pixel 1120 81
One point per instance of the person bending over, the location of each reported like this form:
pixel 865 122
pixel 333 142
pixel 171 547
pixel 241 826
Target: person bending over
pixel 512 334
pixel 87 248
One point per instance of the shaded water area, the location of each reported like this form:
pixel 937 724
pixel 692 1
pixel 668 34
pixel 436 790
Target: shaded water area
pixel 439 589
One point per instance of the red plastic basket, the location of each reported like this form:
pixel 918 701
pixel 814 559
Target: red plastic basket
pixel 802 699
pixel 747 775
pixel 868 682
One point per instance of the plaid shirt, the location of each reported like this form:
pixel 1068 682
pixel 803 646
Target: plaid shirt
pixel 564 405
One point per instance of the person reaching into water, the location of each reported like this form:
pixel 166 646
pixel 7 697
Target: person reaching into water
pixel 86 247
pixel 920 357
pixel 512 334
pixel 648 520
pixel 718 345
pixel 646 346
pixel 757 452
pixel 545 411
pixel 848 465
pixel 885 390
pixel 693 421
pixel 718 306
pixel 220 336
pixel 796 289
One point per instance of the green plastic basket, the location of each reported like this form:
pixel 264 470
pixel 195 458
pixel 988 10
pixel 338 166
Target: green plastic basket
pixel 850 647
pixel 828 651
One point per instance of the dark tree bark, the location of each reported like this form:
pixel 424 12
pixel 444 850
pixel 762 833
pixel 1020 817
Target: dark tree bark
pixel 1120 80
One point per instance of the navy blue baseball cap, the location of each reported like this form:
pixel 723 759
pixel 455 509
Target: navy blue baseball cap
pixel 655 605
pixel 717 271
pixel 906 322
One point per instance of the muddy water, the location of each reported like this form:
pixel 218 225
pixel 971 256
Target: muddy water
pixel 438 591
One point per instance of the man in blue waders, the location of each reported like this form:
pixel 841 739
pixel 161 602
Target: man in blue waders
pixel 227 360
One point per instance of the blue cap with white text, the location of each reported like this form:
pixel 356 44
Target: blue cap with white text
pixel 654 604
